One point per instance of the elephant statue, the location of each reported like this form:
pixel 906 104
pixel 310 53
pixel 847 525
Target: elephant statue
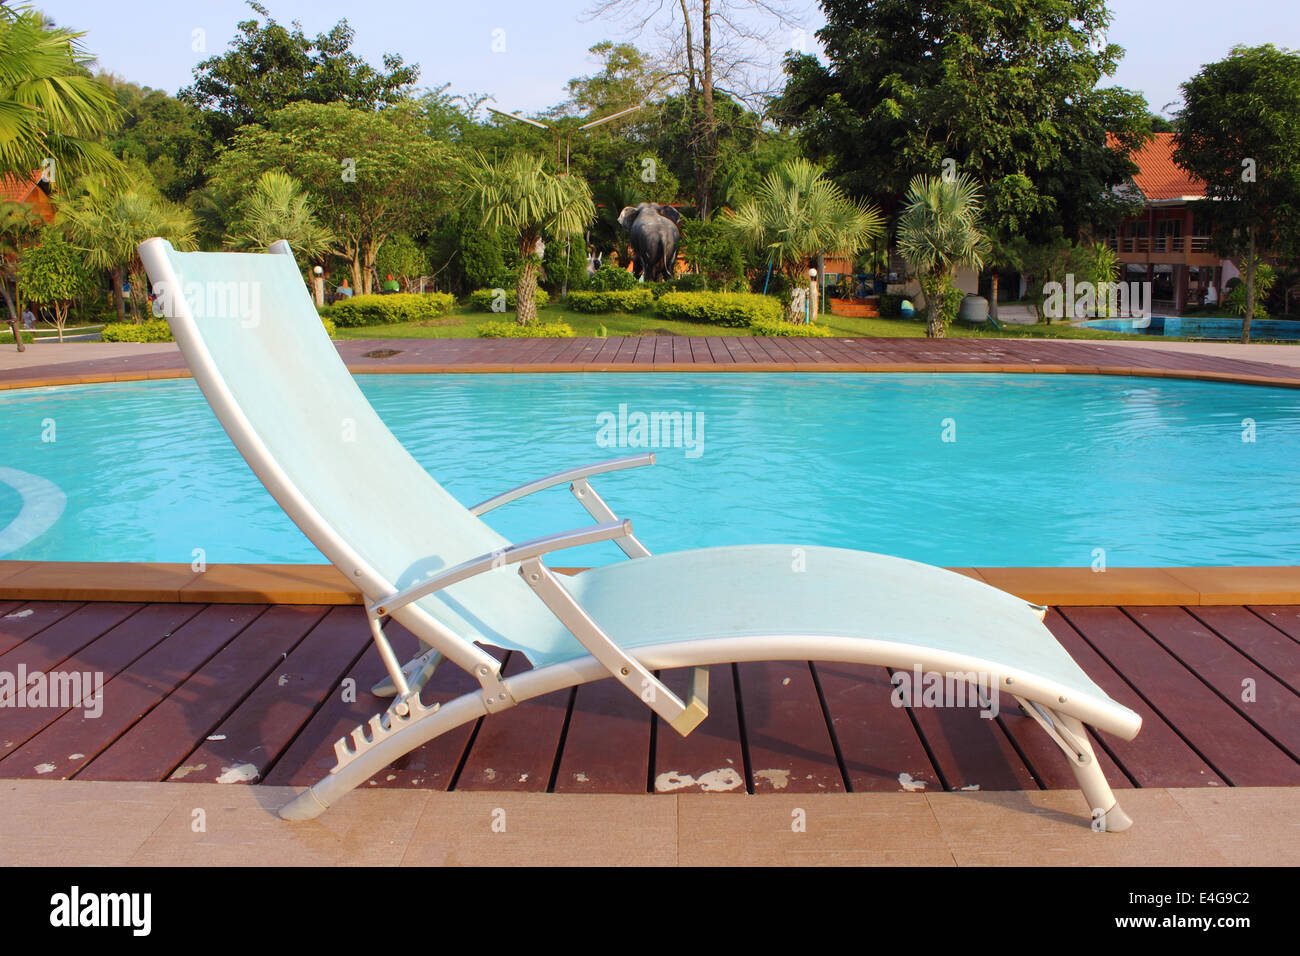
pixel 655 236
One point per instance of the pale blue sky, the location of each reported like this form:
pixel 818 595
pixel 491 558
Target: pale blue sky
pixel 546 40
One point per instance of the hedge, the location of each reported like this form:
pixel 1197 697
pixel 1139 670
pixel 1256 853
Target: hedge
pixel 632 300
pixel 612 278
pixel 776 327
pixel 7 336
pixel 361 310
pixel 733 309
pixel 482 299
pixel 533 330
pixel 157 330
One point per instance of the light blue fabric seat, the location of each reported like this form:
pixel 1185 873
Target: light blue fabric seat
pixel 255 343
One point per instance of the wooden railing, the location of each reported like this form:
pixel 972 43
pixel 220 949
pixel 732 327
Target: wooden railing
pixel 1148 244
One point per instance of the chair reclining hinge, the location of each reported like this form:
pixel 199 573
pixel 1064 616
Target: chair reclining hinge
pixel 496 695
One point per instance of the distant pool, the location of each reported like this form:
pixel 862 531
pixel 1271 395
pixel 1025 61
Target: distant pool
pixel 1200 327
pixel 1049 470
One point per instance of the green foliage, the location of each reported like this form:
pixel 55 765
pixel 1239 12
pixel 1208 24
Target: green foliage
pixel 687 282
pixel 52 272
pixel 950 302
pixel 162 134
pixel 781 328
pixel 50 106
pixel 269 66
pixel 498 329
pixel 482 256
pixel 388 309
pixel 7 335
pixel 594 303
pixel 1235 300
pixel 712 250
pixel 731 309
pixel 554 265
pixel 612 278
pixel 401 257
pixel 889 305
pixel 152 330
pixel 1012 93
pixel 484 299
pixel 278 208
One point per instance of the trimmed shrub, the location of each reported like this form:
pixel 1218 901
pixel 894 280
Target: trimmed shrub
pixel 362 310
pixel 533 330
pixel 482 299
pixel 153 330
pixel 687 282
pixel 612 278
pixel 632 300
pixel 732 309
pixel 777 327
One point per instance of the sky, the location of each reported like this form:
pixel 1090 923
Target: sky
pixel 540 44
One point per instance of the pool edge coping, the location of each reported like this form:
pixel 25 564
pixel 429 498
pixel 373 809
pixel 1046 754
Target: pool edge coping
pixel 322 584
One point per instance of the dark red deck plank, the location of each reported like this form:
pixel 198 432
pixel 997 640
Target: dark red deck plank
pixel 267 720
pixel 1263 643
pixel 788 743
pixel 607 747
pixel 626 349
pixel 970 752
pixel 160 742
pixel 1238 752
pixel 711 758
pixel 1158 756
pixel 718 352
pixel 67 635
pixel 1285 618
pixel 430 766
pixel 516 749
pixel 881 749
pixel 7 606
pixel 31 618
pixel 1270 705
pixel 98 662
pixel 75 739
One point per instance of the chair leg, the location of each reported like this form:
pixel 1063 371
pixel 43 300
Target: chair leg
pixel 1069 734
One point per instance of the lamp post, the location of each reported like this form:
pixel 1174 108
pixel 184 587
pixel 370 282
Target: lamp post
pixel 810 314
pixel 568 134
pixel 318 284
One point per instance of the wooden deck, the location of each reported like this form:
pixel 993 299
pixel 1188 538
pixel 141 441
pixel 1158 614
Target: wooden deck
pixel 47 366
pixel 199 692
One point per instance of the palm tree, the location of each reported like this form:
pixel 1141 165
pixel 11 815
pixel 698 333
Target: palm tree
pixel 51 108
pixel 278 208
pixel 798 215
pixel 109 219
pixel 19 226
pixel 938 233
pixel 519 195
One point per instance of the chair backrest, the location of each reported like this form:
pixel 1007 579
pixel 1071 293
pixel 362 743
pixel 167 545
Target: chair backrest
pixel 253 339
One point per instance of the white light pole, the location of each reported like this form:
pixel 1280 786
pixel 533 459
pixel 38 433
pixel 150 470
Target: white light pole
pixel 318 284
pixel 810 314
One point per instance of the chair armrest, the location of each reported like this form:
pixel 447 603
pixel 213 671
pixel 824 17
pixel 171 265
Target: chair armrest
pixel 514 554
pixel 561 477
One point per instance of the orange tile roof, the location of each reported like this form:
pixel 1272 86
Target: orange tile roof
pixel 18 188
pixel 1158 176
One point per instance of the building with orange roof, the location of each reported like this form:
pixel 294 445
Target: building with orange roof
pixel 1168 245
pixel 33 189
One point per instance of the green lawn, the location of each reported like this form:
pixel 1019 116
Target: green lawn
pixel 462 322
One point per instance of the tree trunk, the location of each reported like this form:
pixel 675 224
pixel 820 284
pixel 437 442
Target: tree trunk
pixel 706 88
pixel 693 110
pixel 115 279
pixel 993 295
pixel 1250 290
pixel 934 326
pixel 526 289
pixel 13 318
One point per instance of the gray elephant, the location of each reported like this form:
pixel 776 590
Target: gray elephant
pixel 655 236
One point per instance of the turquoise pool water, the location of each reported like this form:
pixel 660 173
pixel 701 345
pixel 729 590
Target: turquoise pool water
pixel 1046 470
pixel 1200 327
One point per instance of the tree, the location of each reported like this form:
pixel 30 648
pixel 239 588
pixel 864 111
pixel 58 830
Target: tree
pixel 52 111
pixel 520 196
pixel 799 214
pixel 1237 133
pixel 714 46
pixel 19 226
pixel 278 208
pixel 162 134
pixel 109 219
pixel 1004 92
pixel 402 257
pixel 369 176
pixel 938 233
pixel 52 273
pixel 269 66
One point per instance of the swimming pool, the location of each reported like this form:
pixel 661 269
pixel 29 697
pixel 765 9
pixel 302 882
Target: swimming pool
pixel 950 469
pixel 1200 327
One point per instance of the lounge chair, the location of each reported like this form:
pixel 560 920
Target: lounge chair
pixel 247 327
